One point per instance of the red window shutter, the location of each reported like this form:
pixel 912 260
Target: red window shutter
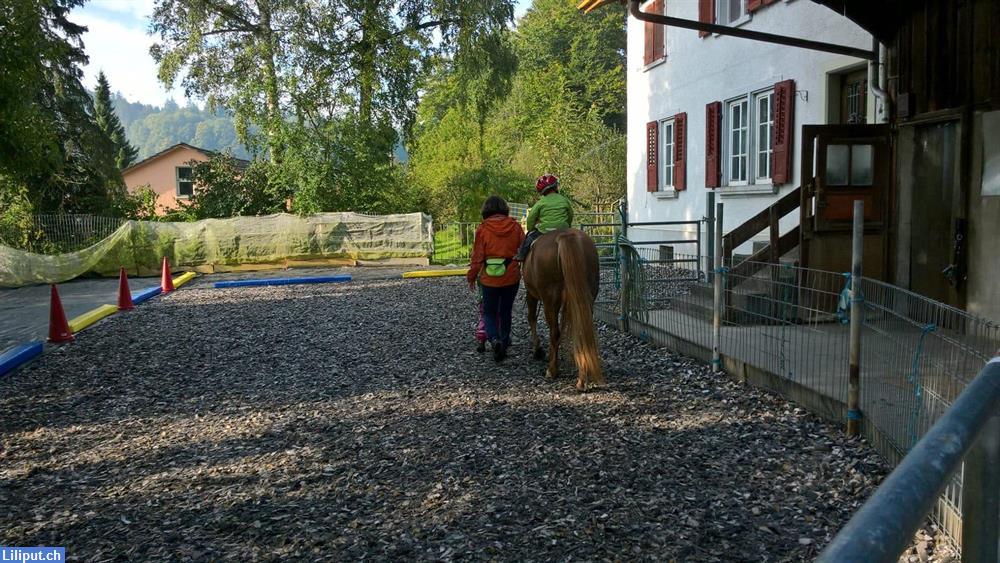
pixel 706 14
pixel 753 5
pixel 783 132
pixel 648 57
pixel 713 141
pixel 654 35
pixel 680 151
pixel 659 34
pixel 652 159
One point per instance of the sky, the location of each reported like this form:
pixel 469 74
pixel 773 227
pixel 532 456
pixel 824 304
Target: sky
pixel 117 43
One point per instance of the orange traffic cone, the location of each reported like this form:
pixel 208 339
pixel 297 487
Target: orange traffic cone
pixel 59 331
pixel 166 281
pixel 124 294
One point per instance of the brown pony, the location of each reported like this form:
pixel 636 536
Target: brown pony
pixel 562 270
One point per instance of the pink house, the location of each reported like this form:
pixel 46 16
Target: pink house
pixel 168 173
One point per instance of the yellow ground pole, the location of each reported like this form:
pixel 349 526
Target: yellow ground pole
pixel 183 279
pixel 90 317
pixel 436 273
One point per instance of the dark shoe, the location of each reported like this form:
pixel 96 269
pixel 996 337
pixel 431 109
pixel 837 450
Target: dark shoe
pixel 481 347
pixel 499 350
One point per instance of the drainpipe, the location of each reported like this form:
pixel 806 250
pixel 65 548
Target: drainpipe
pixel 876 81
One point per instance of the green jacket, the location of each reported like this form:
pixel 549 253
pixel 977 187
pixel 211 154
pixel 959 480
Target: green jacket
pixel 553 211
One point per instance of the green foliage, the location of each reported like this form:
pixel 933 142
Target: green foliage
pixel 226 188
pixel 16 224
pixel 49 141
pixel 233 55
pixel 107 120
pixel 562 113
pixel 139 204
pixel 163 128
pixel 342 166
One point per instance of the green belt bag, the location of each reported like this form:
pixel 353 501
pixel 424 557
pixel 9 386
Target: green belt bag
pixel 496 267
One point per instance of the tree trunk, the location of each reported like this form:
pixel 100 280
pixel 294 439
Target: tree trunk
pixel 366 73
pixel 266 38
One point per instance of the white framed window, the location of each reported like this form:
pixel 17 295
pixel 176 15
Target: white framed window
pixel 185 182
pixel 667 155
pixel 736 149
pixel 731 12
pixel 748 123
pixel 763 124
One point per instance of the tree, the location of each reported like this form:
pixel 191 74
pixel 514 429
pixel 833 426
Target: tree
pixel 561 112
pixel 227 189
pixel 271 61
pixel 235 54
pixel 49 142
pixel 107 120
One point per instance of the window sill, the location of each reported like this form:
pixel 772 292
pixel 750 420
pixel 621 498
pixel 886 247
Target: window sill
pixel 745 18
pixel 654 64
pixel 751 190
pixel 668 193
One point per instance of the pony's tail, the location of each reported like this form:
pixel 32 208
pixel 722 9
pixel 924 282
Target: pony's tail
pixel 578 301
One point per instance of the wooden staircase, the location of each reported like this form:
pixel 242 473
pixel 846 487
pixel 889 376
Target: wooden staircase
pixel 778 244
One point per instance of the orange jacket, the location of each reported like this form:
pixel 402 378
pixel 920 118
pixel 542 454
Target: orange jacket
pixel 498 236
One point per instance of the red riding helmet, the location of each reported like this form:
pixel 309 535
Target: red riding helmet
pixel 546 183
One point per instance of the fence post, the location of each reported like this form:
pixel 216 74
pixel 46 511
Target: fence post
pixel 625 294
pixel 710 236
pixel 981 495
pixel 623 211
pixel 854 375
pixel 717 300
pixel 622 236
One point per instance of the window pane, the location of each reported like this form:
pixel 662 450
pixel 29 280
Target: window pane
pixel 836 164
pixel 738 141
pixel 861 165
pixel 184 173
pixel 764 121
pixel 185 188
pixel 735 10
pixel 667 155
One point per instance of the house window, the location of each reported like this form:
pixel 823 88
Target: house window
pixel 736 140
pixel 655 34
pixel 731 12
pixel 763 124
pixel 667 155
pixel 747 150
pixel 185 182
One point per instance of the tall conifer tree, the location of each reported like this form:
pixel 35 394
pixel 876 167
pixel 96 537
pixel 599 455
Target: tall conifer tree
pixel 107 120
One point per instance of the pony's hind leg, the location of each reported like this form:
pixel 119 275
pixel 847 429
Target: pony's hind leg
pixel 536 346
pixel 552 319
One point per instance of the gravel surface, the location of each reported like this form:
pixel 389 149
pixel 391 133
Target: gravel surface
pixel 356 421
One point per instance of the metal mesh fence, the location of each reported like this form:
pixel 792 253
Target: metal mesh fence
pixel 57 234
pixel 791 324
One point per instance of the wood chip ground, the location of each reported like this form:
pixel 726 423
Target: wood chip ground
pixel 356 421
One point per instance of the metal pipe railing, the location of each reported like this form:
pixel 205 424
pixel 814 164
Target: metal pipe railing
pixel 885 525
pixel 749 34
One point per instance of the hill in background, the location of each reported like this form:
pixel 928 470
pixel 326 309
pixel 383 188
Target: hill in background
pixel 152 129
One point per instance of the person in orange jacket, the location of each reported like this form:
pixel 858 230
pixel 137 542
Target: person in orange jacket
pixel 497 239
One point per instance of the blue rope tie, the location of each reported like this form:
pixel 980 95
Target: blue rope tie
pixel 853 414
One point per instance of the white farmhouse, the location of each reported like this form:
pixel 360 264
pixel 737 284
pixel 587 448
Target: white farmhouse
pixel 716 113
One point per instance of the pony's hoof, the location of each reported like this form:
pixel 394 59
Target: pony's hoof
pixel 550 374
pixel 539 354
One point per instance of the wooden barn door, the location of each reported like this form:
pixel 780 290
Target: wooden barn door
pixel 841 164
